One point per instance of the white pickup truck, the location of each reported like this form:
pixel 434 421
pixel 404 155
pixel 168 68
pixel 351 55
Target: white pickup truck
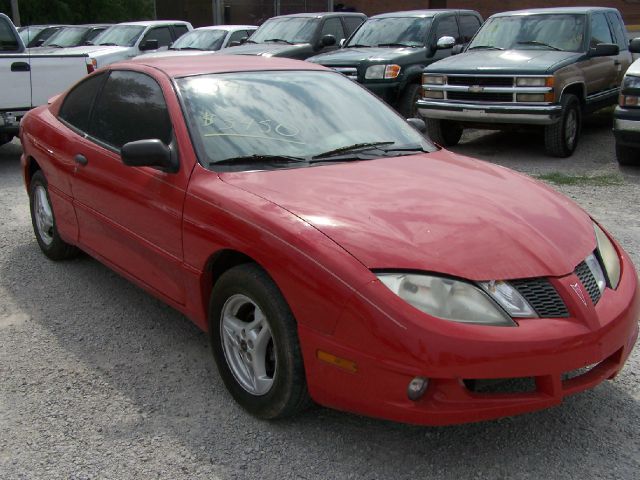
pixel 28 80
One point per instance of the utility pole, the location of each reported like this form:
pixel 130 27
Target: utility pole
pixel 15 13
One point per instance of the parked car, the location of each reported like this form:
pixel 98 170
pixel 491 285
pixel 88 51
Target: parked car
pixel 300 35
pixel 545 67
pixel 388 52
pixel 626 117
pixel 323 242
pixel 207 39
pixel 36 35
pixel 72 36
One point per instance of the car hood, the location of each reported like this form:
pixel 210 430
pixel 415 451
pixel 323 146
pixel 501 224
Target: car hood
pixel 510 62
pixel 350 56
pixel 437 212
pixel 267 49
pixel 634 69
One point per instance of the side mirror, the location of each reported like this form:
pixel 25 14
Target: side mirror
pixel 418 124
pixel 445 42
pixel 328 41
pixel 243 40
pixel 151 44
pixel 149 153
pixel 342 42
pixel 39 43
pixel 234 43
pixel 604 50
pixel 634 45
pixel 457 49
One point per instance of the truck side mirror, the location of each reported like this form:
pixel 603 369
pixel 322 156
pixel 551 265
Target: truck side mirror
pixel 457 49
pixel 445 42
pixel 634 45
pixel 150 44
pixel 604 50
pixel 327 41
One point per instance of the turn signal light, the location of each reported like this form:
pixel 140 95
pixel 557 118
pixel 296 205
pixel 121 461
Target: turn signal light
pixel 92 65
pixel 342 363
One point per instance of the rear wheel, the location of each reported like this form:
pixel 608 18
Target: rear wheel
pixel 627 155
pixel 407 104
pixel 444 132
pixel 561 138
pixel 255 344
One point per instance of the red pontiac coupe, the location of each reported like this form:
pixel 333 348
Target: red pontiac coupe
pixel 331 251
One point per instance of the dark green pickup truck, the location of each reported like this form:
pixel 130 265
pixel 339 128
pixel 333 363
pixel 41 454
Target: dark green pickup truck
pixel 388 52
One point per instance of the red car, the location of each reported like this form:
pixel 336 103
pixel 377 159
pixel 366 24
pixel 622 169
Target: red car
pixel 331 251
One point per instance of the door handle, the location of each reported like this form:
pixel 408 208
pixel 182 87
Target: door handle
pixel 80 160
pixel 616 62
pixel 20 67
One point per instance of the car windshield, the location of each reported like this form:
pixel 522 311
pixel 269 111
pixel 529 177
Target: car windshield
pixel 66 37
pixel 290 115
pixel 528 32
pixel 121 35
pixel 200 40
pixel 287 30
pixel 392 31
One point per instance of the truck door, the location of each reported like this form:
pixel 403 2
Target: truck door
pixel 15 75
pixel 624 57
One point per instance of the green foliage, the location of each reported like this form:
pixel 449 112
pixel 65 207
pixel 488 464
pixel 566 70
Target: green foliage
pixel 604 180
pixel 80 11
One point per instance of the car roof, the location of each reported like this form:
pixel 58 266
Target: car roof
pixel 323 14
pixel 149 23
pixel 558 10
pixel 226 27
pixel 423 13
pixel 180 66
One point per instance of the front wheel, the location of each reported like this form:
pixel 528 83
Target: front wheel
pixel 407 103
pixel 561 138
pixel 5 138
pixel 444 132
pixel 255 344
pixel 627 155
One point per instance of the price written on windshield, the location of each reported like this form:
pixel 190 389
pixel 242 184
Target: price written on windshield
pixel 250 126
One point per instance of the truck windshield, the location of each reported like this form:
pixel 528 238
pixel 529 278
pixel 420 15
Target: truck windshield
pixel 278 117
pixel 528 32
pixel 392 31
pixel 121 35
pixel 66 37
pixel 200 40
pixel 286 30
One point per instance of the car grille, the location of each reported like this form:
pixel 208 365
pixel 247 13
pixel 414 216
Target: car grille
pixel 583 272
pixel 542 297
pixel 350 72
pixel 481 81
pixel 480 96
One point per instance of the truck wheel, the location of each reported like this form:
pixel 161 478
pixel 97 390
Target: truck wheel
pixel 444 132
pixel 561 138
pixel 5 138
pixel 407 104
pixel 627 155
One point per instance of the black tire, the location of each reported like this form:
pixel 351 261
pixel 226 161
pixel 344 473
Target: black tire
pixel 558 139
pixel 444 132
pixel 627 155
pixel 407 103
pixel 5 138
pixel 52 246
pixel 288 393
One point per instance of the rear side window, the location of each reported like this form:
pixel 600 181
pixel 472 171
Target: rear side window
pixel 333 26
pixel 131 107
pixel 162 34
pixel 8 40
pixel 618 30
pixel 77 105
pixel 447 27
pixel 351 24
pixel 469 25
pixel 180 30
pixel 600 32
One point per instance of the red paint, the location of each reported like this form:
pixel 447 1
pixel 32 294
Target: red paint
pixel 318 231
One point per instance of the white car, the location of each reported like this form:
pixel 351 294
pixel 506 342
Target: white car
pixel 207 39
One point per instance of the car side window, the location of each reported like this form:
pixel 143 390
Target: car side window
pixel 333 26
pixel 78 103
pixel 8 41
pixel 600 32
pixel 447 27
pixel 351 24
pixel 237 36
pixel 469 25
pixel 130 107
pixel 162 34
pixel 621 36
pixel 180 30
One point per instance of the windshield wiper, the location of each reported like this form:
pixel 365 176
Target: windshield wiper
pixel 491 47
pixel 55 45
pixel 109 44
pixel 186 48
pixel 542 44
pixel 359 45
pixel 395 45
pixel 278 40
pixel 259 159
pixel 250 41
pixel 350 148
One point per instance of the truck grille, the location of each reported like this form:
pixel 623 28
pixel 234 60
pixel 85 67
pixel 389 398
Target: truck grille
pixel 350 72
pixel 583 272
pixel 480 96
pixel 542 297
pixel 481 81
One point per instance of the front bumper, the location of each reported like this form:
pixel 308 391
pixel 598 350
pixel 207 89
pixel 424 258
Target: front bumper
pixel 626 127
pixel 499 113
pixel 388 91
pixel 544 351
pixel 10 121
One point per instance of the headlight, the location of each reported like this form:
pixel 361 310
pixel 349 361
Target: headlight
pixel 631 82
pixel 534 82
pixel 608 256
pixel 446 298
pixel 378 72
pixel 433 79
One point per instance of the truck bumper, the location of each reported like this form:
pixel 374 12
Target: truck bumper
pixel 10 121
pixel 490 112
pixel 626 127
pixel 387 91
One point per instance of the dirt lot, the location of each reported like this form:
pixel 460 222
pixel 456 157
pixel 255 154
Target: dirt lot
pixel 100 380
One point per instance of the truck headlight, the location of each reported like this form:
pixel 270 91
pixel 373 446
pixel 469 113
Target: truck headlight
pixel 608 256
pixel 534 82
pixel 379 72
pixel 447 298
pixel 631 81
pixel 428 79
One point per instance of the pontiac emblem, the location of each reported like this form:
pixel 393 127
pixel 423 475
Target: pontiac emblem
pixel 476 89
pixel 579 292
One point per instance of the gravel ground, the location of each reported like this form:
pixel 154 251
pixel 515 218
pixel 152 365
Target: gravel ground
pixel 100 380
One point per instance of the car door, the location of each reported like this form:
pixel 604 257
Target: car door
pixel 130 216
pixel 15 76
pixel 601 73
pixel 445 26
pixel 624 58
pixel 162 34
pixel 469 25
pixel 331 26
